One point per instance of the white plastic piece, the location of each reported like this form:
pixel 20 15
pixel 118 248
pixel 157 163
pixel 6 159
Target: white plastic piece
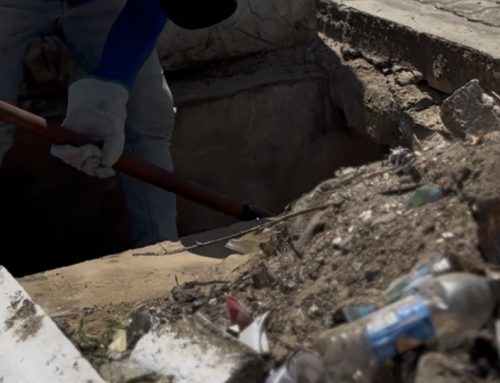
pixel 32 348
pixel 184 358
pixel 254 336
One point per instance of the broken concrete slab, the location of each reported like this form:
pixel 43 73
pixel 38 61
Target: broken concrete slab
pixel 33 349
pixel 190 351
pixel 446 47
pixel 469 110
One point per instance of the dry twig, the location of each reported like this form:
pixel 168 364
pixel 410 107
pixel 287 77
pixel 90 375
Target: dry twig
pixel 270 222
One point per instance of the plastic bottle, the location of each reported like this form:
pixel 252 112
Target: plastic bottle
pixel 439 309
pixel 304 366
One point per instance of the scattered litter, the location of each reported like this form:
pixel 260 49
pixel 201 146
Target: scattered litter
pixel 448 235
pixel 254 335
pixel 432 265
pixel 119 342
pixel 446 304
pixel 249 243
pixel 424 196
pixel 400 156
pixel 239 314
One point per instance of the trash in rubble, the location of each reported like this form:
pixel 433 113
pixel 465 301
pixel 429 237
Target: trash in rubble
pixel 400 156
pixel 424 196
pixel 254 335
pixel 433 265
pixel 248 331
pixel 119 343
pixel 304 366
pixel 192 350
pixel 445 305
pixel 249 243
pixel 239 314
pixel 351 313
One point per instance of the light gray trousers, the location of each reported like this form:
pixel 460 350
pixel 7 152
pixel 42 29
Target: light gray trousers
pixel 83 26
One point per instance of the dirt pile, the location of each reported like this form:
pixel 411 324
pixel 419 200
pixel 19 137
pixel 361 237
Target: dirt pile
pixel 360 236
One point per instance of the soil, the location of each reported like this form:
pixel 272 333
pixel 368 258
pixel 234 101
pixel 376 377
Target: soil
pixel 351 250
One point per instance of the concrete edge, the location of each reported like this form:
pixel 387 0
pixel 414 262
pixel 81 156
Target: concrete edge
pixel 446 65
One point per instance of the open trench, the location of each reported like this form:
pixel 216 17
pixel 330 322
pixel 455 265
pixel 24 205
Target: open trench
pixel 261 129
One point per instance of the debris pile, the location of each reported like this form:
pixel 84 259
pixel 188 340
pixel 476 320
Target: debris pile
pixel 364 251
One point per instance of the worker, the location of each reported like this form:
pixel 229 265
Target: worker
pixel 124 101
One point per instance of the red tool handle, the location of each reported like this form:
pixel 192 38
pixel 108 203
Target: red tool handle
pixel 130 165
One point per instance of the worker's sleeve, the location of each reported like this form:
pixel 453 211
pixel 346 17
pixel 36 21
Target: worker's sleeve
pixel 131 41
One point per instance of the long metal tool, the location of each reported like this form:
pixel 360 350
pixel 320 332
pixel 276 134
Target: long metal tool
pixel 133 166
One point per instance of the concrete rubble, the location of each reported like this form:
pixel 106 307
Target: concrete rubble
pixel 471 111
pixel 32 348
pixel 192 351
pixel 449 42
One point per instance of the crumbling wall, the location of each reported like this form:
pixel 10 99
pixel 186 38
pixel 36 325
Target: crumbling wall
pixel 257 26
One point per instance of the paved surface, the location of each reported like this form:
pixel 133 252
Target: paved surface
pixel 486 12
pixel 449 41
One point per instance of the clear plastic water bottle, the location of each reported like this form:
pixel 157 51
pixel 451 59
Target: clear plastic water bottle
pixel 437 310
pixel 304 366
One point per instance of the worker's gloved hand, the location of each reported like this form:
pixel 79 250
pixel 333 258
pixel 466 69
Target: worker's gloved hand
pixel 97 109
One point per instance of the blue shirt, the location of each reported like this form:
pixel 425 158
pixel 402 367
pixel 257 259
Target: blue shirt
pixel 131 41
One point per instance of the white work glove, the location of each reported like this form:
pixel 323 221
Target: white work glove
pixel 97 109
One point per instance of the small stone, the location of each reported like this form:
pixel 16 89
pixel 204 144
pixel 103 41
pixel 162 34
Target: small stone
pixel 337 241
pixel 212 302
pixel 366 215
pixel 329 320
pixel 408 77
pixel 438 368
pixel 261 277
pixel 287 287
pixel 349 52
pixel 469 110
pixel 357 266
pixel 139 324
pixel 313 311
pixel 370 275
pixel 447 235
pixel 336 199
pixel 385 219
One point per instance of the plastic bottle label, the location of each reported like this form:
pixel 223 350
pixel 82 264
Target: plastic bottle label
pixel 406 327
